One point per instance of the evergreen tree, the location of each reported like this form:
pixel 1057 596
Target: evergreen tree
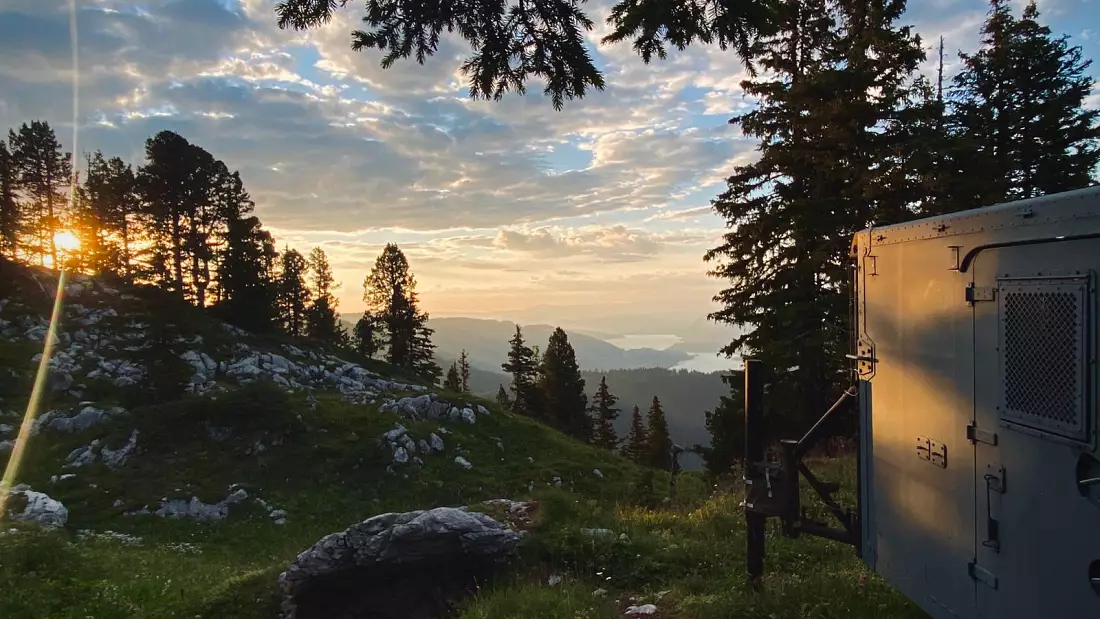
pixel 365 337
pixel 726 426
pixel 828 153
pixel 108 199
pixel 293 293
pixel 421 348
pixel 453 382
pixel 658 446
pixel 503 399
pixel 464 371
pixel 322 321
pixel 514 43
pixel 604 413
pixel 1019 103
pixel 636 441
pixel 247 292
pixel 564 401
pixel 11 213
pixel 43 172
pixel 521 365
pixel 388 291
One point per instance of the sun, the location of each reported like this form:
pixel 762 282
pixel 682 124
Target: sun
pixel 66 241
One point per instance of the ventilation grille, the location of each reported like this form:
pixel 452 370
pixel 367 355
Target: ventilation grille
pixel 1043 354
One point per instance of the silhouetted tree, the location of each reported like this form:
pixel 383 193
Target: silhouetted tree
pixel 322 321
pixel 43 172
pixel 726 425
pixel 365 337
pixel 293 293
pixel 604 414
pixel 453 382
pixel 658 449
pixel 464 371
pixel 11 214
pixel 636 442
pixel 564 401
pixel 247 292
pixel 108 199
pixel 514 43
pixel 521 365
pixel 1019 104
pixel 503 399
pixel 387 291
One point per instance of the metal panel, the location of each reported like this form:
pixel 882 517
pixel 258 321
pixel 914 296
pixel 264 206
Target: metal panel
pixel 1043 343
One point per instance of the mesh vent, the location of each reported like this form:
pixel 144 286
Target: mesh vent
pixel 1043 354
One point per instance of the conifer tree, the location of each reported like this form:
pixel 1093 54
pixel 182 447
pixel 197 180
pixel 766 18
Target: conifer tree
pixel 293 293
pixel 11 214
pixel 108 199
pixel 366 336
pixel 502 398
pixel 658 448
pixel 1019 103
pixel 247 294
pixel 322 321
pixel 636 441
pixel 726 426
pixel 453 382
pixel 421 348
pixel 43 172
pixel 521 365
pixel 464 371
pixel 604 414
pixel 564 401
pixel 388 291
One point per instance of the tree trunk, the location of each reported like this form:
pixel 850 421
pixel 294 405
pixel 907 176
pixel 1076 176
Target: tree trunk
pixel 177 255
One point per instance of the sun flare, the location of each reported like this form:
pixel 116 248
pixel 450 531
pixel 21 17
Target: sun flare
pixel 66 241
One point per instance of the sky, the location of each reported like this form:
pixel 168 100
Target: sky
pixel 506 209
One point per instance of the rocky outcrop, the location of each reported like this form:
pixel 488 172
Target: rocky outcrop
pixel 413 565
pixel 40 508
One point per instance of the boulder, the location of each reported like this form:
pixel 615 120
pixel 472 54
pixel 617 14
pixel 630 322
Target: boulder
pixel 437 443
pixel 468 415
pixel 414 565
pixel 438 409
pixel 644 609
pixel 116 458
pixel 481 410
pixel 400 455
pixel 463 462
pixel 40 508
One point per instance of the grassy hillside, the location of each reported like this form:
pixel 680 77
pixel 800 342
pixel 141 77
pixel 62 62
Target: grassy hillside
pixel 280 443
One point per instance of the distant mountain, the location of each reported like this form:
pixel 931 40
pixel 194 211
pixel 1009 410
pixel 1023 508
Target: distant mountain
pixel 486 342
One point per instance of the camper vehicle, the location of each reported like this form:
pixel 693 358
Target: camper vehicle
pixel 974 365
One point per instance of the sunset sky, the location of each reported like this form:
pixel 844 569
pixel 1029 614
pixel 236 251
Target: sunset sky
pixel 500 206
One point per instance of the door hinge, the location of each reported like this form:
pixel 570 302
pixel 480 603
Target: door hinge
pixel 981 574
pixel 976 435
pixel 975 294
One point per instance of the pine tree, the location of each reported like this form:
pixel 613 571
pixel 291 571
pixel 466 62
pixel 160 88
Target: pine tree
pixel 322 321
pixel 502 398
pixel 108 199
pixel 365 337
pixel 11 213
pixel 564 401
pixel 827 157
pixel 293 293
pixel 389 292
pixel 421 348
pixel 43 172
pixel 636 441
pixel 1019 102
pixel 521 365
pixel 453 382
pixel 247 294
pixel 658 446
pixel 726 426
pixel 604 413
pixel 464 371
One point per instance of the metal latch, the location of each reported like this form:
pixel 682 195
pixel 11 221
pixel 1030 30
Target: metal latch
pixel 977 435
pixel 975 294
pixel 981 574
pixel 865 357
pixel 930 450
pixel 994 482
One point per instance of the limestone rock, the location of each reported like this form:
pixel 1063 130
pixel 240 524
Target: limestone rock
pixel 468 415
pixel 47 512
pixel 644 609
pixel 463 462
pixel 598 473
pixel 404 554
pixel 437 443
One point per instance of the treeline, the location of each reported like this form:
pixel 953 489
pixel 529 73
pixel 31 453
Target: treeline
pixel 851 135
pixel 548 386
pixel 181 221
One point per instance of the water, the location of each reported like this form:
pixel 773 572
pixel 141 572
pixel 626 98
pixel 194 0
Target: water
pixel 655 341
pixel 709 361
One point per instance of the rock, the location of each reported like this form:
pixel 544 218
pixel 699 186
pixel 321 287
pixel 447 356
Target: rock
pixel 644 609
pixel 468 416
pixel 454 414
pixel 400 455
pixel 278 514
pixel 557 481
pixel 414 564
pixel 463 462
pixel 195 509
pixel 597 473
pixel 424 446
pixel 279 521
pixel 82 455
pixel 115 458
pixel 6 446
pixel 236 497
pixel 554 580
pixel 397 432
pixel 40 508
pixel 438 409
pixel 601 592
pixel 60 380
pixel 437 443
pixel 408 444
pixel 481 410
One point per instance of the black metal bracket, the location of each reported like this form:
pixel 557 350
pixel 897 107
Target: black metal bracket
pixel 775 490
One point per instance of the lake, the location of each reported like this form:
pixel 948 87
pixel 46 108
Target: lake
pixel 709 361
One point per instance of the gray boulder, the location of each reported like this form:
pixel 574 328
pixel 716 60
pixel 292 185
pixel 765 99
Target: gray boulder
pixel 413 564
pixel 463 462
pixel 437 443
pixel 468 415
pixel 47 512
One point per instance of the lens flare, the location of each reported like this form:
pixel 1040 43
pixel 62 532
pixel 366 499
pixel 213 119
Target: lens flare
pixel 66 241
